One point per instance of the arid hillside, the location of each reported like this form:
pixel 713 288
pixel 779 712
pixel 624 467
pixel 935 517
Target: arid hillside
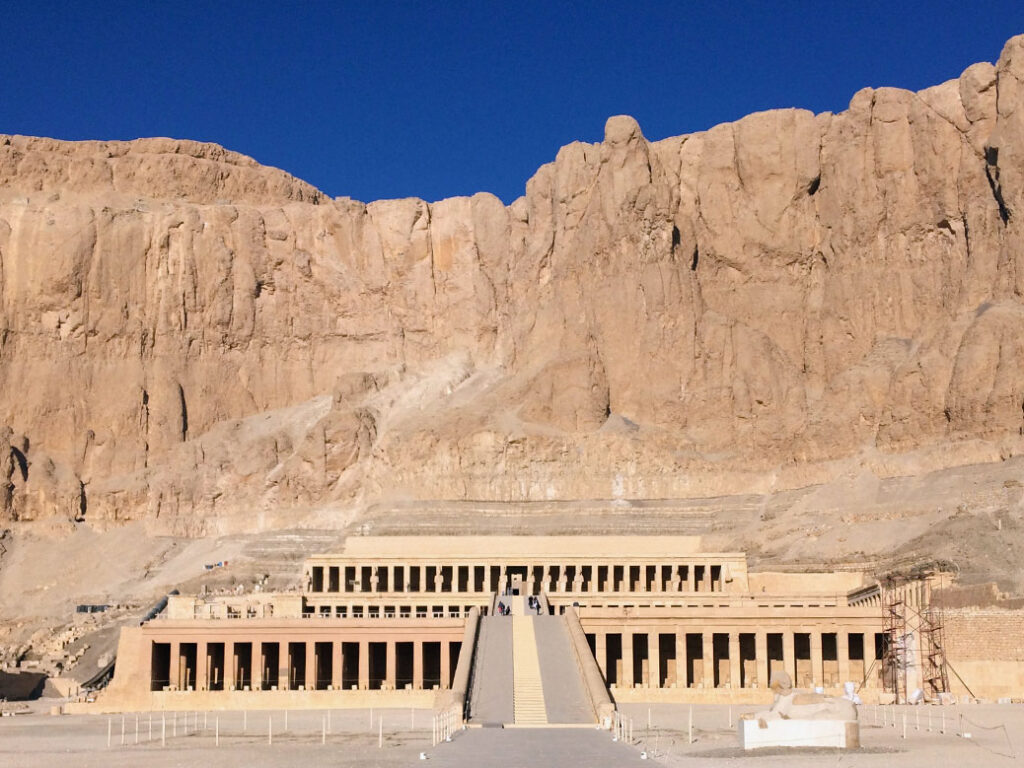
pixel 206 345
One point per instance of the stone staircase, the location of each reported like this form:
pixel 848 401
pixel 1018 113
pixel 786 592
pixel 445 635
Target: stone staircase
pixel 527 688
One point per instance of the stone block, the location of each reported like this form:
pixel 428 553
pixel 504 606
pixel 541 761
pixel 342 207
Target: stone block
pixel 844 734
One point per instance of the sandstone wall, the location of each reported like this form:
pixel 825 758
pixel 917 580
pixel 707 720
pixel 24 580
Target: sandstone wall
pixel 192 338
pixel 985 648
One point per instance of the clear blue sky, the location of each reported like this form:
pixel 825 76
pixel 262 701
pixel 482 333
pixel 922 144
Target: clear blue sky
pixel 372 99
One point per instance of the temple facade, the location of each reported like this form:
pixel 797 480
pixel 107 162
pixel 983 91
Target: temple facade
pixel 387 620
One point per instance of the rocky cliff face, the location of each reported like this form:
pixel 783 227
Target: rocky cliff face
pixel 194 339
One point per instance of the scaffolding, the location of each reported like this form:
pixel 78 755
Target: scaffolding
pixel 894 656
pixel 934 667
pixel 914 636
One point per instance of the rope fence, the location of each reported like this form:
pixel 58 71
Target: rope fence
pixel 155 730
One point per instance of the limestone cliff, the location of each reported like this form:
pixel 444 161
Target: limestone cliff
pixel 194 339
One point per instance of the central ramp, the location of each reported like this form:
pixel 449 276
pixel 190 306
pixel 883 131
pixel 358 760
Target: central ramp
pixel 526 672
pixel 491 693
pixel 565 695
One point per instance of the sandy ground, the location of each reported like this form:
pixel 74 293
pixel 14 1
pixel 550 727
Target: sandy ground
pixel 996 738
pixel 40 741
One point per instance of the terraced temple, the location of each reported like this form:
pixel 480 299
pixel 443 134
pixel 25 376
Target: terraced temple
pixel 430 621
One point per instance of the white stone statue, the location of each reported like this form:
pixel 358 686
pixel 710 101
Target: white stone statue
pixel 793 704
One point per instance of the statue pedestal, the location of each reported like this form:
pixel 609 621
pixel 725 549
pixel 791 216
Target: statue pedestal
pixel 844 734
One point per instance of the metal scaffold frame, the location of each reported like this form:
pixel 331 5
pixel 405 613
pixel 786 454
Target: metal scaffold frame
pixel 906 620
pixel 894 657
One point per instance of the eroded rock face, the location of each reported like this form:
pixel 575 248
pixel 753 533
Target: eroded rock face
pixel 191 338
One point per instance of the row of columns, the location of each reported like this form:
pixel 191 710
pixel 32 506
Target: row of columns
pixel 680 578
pixel 231 678
pixel 707 657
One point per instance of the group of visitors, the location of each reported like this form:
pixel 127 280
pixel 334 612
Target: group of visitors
pixel 504 610
pixel 534 604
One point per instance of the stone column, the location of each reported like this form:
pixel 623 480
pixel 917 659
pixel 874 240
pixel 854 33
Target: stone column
pixel 641 585
pixel 654 659
pixel 337 664
pixel 593 579
pixel 175 670
pixel 706 586
pixel 417 665
pixel 256 663
pixel 364 665
pixel 601 652
pixel 735 673
pixel 761 653
pixel 310 681
pixel 691 572
pixel 202 666
pixel 627 658
pixel 390 656
pixel 423 578
pixel 375 578
pixel 817 664
pixel 283 667
pixel 230 676
pixel 446 663
pixel 789 655
pixel 843 655
pixel 708 648
pixel 675 583
pixel 682 681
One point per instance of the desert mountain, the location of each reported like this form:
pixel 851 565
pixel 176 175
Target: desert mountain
pixel 205 344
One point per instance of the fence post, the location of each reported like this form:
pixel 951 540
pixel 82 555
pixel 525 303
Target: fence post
pixel 216 731
pixel 110 726
pixel 690 728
